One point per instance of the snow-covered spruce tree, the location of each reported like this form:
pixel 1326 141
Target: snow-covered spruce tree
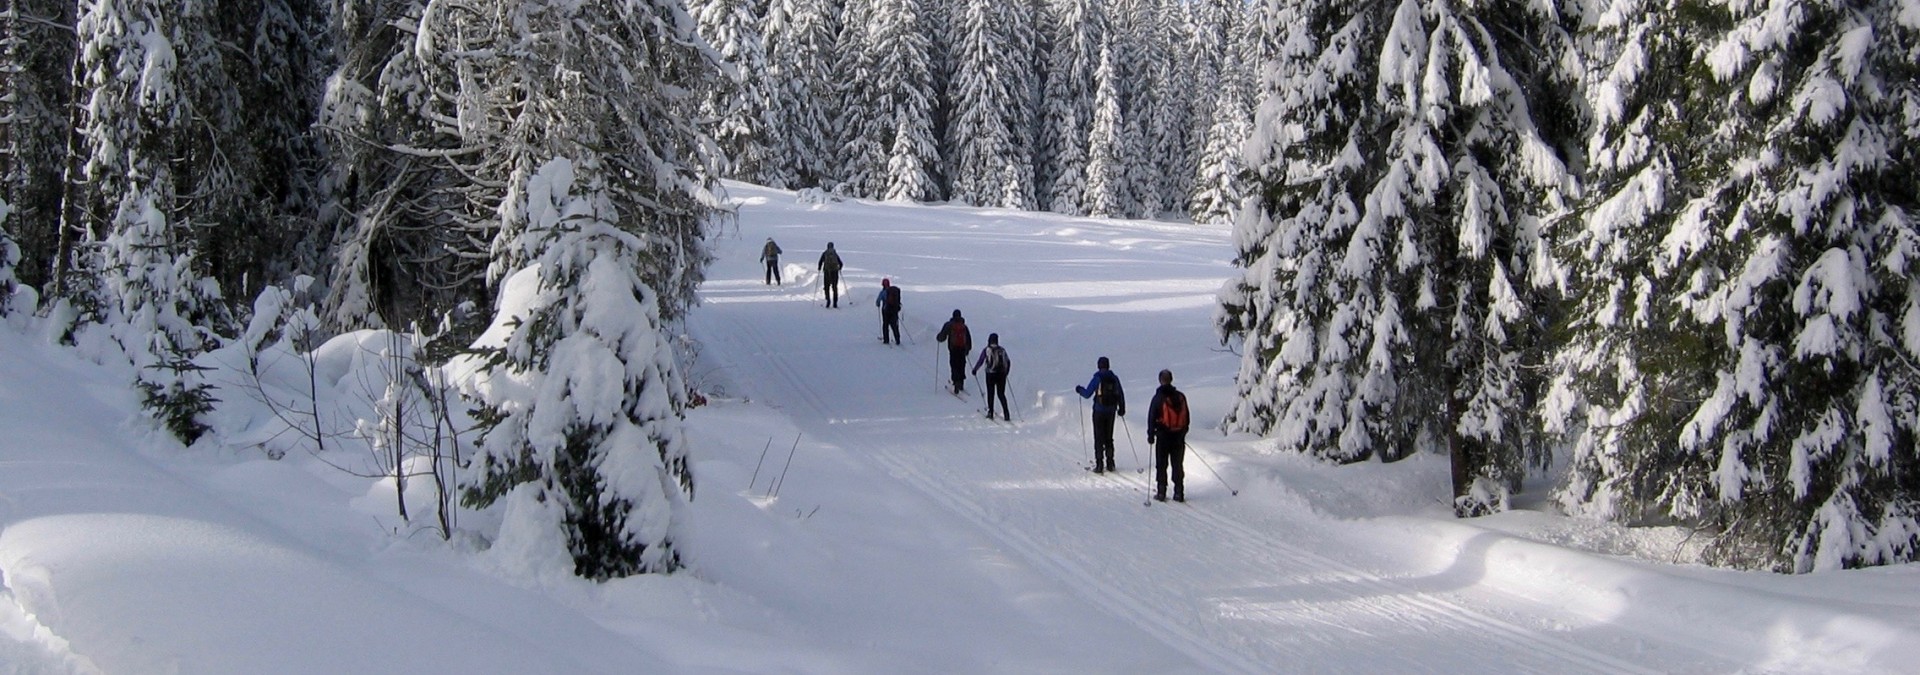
pixel 36 60
pixel 741 114
pixel 989 164
pixel 1228 120
pixel 1766 257
pixel 1041 13
pixel 862 149
pixel 1135 39
pixel 231 128
pixel 409 242
pixel 939 20
pixel 908 179
pixel 902 98
pixel 1196 75
pixel 1076 28
pixel 1625 372
pixel 607 186
pixel 1143 41
pixel 582 404
pixel 138 63
pixel 1388 303
pixel 1220 186
pixel 800 61
pixel 1140 178
pixel 1295 381
pixel 1106 177
pixel 418 140
pixel 1069 187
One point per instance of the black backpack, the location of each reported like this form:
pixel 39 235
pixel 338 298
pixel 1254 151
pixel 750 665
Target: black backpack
pixel 1106 393
pixel 892 301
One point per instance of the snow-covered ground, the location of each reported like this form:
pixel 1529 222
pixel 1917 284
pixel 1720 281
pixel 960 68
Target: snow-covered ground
pixel 909 534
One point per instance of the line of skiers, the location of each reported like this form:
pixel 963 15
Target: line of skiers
pixel 1167 416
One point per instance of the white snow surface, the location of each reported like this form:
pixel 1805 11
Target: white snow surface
pixel 909 535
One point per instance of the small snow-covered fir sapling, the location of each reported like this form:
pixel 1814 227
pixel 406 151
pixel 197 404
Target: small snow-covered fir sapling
pixel 580 394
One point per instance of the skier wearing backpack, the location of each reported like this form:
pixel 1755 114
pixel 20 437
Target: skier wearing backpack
pixel 994 357
pixel 1167 421
pixel 770 254
pixel 1108 399
pixel 959 344
pixel 830 269
pixel 889 303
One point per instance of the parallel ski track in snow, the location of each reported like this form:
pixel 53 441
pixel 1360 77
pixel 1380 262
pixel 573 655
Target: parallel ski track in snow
pixel 1140 564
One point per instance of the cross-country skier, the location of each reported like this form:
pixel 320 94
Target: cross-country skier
pixel 889 303
pixel 994 357
pixel 830 269
pixel 959 344
pixel 770 254
pixel 1167 432
pixel 1108 399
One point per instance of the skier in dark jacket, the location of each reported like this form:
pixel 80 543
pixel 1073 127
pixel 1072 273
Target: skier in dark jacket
pixel 770 254
pixel 994 357
pixel 1167 420
pixel 830 269
pixel 889 303
pixel 1108 399
pixel 959 344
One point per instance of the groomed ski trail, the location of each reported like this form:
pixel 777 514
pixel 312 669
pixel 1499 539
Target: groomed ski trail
pixel 1218 583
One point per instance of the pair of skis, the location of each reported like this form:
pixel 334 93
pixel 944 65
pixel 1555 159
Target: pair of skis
pixel 1149 500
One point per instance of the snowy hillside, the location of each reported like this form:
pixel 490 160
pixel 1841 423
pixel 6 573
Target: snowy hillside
pixel 852 517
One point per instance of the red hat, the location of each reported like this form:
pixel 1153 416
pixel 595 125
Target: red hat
pixel 886 282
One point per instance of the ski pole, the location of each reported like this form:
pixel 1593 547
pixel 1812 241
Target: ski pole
pixel 1082 404
pixel 756 465
pixel 1136 453
pixel 1209 465
pixel 773 489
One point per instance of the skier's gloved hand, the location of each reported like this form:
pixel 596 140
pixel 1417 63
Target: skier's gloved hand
pixel 1149 439
pixel 1077 389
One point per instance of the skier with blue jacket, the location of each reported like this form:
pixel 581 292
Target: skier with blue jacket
pixel 1108 400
